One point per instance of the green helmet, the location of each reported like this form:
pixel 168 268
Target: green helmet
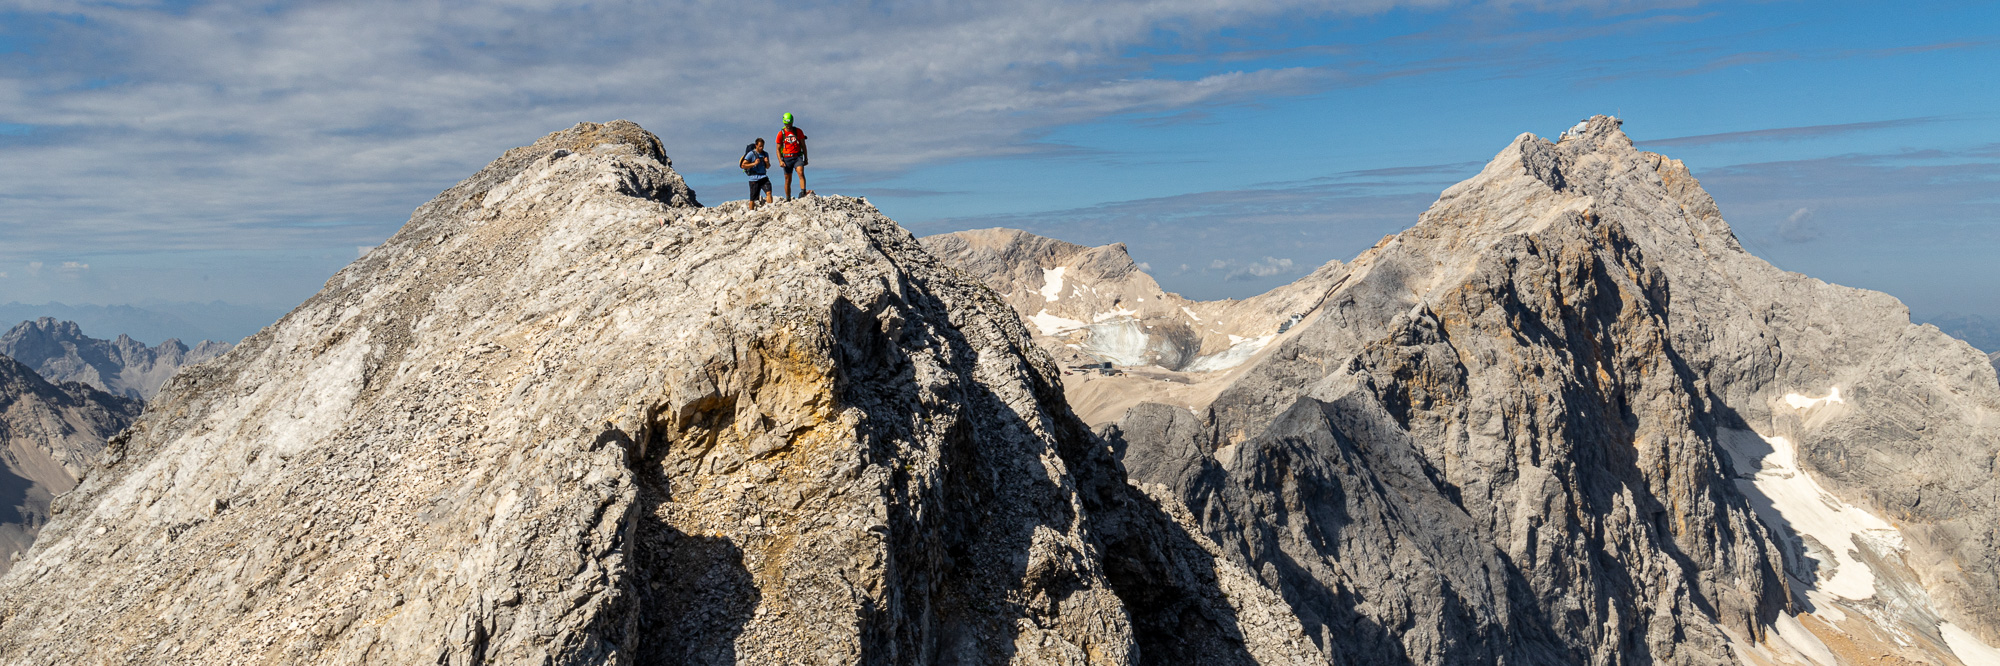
pixel 788 118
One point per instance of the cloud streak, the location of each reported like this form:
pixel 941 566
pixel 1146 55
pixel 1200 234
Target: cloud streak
pixel 255 126
pixel 1790 133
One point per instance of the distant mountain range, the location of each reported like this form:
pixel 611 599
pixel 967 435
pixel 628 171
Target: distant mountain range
pixel 59 351
pixel 153 322
pixel 1975 330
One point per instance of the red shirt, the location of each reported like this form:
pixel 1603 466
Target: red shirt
pixel 791 141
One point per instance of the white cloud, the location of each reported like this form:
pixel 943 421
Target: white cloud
pixel 74 267
pixel 244 125
pixel 1799 227
pixel 1266 267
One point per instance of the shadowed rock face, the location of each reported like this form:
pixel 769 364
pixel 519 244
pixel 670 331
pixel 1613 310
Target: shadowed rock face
pixel 49 433
pixel 61 352
pixel 566 416
pixel 1513 432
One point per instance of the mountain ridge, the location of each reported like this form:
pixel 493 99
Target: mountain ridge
pixel 567 416
pixel 1582 277
pixel 60 351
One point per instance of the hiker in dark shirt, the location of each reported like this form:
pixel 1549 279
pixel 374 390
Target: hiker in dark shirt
pixel 792 155
pixel 755 163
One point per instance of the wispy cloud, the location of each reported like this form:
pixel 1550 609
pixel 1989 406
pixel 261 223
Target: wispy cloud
pixel 1798 227
pixel 258 125
pixel 1262 268
pixel 1791 133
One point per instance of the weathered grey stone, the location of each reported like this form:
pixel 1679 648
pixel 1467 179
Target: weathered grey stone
pixel 48 432
pixel 566 416
pixel 1500 436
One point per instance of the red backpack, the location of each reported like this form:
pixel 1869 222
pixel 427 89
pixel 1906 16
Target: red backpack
pixel 791 141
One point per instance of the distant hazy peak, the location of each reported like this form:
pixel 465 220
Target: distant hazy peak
pixel 60 351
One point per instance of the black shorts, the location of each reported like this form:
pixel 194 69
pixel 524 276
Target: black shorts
pixel 759 186
pixel 790 162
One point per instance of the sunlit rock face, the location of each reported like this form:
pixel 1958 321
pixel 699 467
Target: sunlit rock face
pixel 568 416
pixel 1566 417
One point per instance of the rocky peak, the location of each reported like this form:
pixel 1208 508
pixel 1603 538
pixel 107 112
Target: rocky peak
pixel 567 416
pixel 1576 332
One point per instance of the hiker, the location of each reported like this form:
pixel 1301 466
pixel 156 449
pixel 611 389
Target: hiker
pixel 792 155
pixel 755 163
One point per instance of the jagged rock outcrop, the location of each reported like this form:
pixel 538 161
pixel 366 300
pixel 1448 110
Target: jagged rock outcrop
pixel 59 351
pixel 48 434
pixel 1566 418
pixel 566 416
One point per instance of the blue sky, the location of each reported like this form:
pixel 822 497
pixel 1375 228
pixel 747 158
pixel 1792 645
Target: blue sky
pixel 166 152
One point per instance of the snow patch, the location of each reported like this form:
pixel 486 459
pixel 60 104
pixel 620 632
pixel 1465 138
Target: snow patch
pixel 1114 314
pixel 1797 500
pixel 1824 608
pixel 1801 402
pixel 1050 324
pixel 1190 313
pixel 1052 283
pixel 1967 647
pixel 1239 351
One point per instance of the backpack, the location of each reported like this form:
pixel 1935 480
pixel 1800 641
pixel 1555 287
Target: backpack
pixel 791 141
pixel 751 170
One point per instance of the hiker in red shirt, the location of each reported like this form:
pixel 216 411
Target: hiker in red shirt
pixel 792 155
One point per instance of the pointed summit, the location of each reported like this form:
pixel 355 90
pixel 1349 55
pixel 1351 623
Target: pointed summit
pixel 566 415
pixel 1567 418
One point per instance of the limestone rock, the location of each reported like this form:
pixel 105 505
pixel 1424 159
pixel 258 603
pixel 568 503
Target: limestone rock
pixel 1566 418
pixel 59 351
pixel 49 432
pixel 567 416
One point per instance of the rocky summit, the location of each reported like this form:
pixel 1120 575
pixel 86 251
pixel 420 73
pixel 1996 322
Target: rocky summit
pixel 49 432
pixel 1566 418
pixel 568 416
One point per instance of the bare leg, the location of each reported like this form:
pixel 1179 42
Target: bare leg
pixel 788 184
pixel 802 180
